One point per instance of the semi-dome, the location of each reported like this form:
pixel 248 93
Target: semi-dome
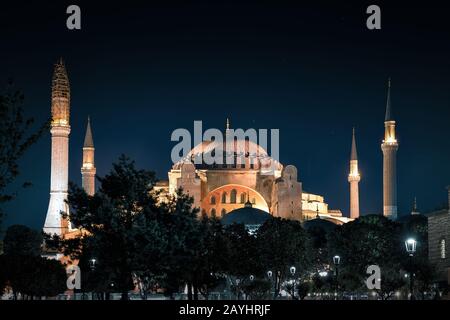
pixel 247 215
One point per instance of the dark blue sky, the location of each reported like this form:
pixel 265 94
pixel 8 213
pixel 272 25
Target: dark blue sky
pixel 313 71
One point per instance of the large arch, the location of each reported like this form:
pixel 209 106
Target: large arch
pixel 249 194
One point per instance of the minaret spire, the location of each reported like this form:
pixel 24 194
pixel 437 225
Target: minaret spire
pixel 389 148
pixel 354 178
pixel 388 114
pixel 60 130
pixel 354 154
pixel 88 169
pixel 88 141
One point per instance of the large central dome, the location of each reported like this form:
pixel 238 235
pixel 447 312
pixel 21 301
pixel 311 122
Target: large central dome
pixel 230 154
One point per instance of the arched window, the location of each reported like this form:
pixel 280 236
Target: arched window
pixel 242 197
pixel 224 197
pixel 213 200
pixel 442 249
pixel 223 212
pixel 233 195
pixel 213 212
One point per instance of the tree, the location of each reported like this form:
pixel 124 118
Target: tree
pixel 243 258
pixel 16 137
pixel 24 270
pixel 184 244
pixel 257 289
pixel 23 241
pixel 210 256
pixel 34 276
pixel 112 221
pixel 369 240
pixel 282 244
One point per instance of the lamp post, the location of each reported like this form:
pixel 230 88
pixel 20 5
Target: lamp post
pixel 337 262
pixel 269 276
pixel 292 270
pixel 411 246
pixel 92 265
pixel 252 278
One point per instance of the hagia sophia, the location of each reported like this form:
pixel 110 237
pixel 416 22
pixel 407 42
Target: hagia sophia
pixel 219 190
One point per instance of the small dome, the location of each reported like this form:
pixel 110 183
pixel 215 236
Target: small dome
pixel 247 216
pixel 324 224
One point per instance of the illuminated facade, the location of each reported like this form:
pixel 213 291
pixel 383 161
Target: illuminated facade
pixel 389 148
pixel 218 189
pixel 88 169
pixel 315 207
pixel 60 130
pixel 354 178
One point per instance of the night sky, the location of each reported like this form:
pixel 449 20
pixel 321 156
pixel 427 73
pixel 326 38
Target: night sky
pixel 312 70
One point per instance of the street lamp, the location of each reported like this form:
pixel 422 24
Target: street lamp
pixel 411 246
pixel 92 263
pixel 337 262
pixel 272 283
pixel 252 277
pixel 292 270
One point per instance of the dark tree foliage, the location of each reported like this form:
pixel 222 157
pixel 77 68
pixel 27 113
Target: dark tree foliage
pixel 21 240
pixel 257 289
pixel 369 240
pixel 24 270
pixel 137 241
pixel 34 276
pixel 282 244
pixel 243 258
pixel 114 220
pixel 16 136
pixel 210 257
pixel 318 248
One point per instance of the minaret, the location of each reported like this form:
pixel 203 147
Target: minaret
pixel 353 179
pixel 88 169
pixel 389 147
pixel 414 210
pixel 60 130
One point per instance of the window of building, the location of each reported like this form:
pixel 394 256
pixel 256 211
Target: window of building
pixel 242 197
pixel 233 196
pixel 223 212
pixel 224 197
pixel 213 200
pixel 442 249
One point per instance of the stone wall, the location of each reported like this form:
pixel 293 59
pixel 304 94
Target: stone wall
pixel 439 229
